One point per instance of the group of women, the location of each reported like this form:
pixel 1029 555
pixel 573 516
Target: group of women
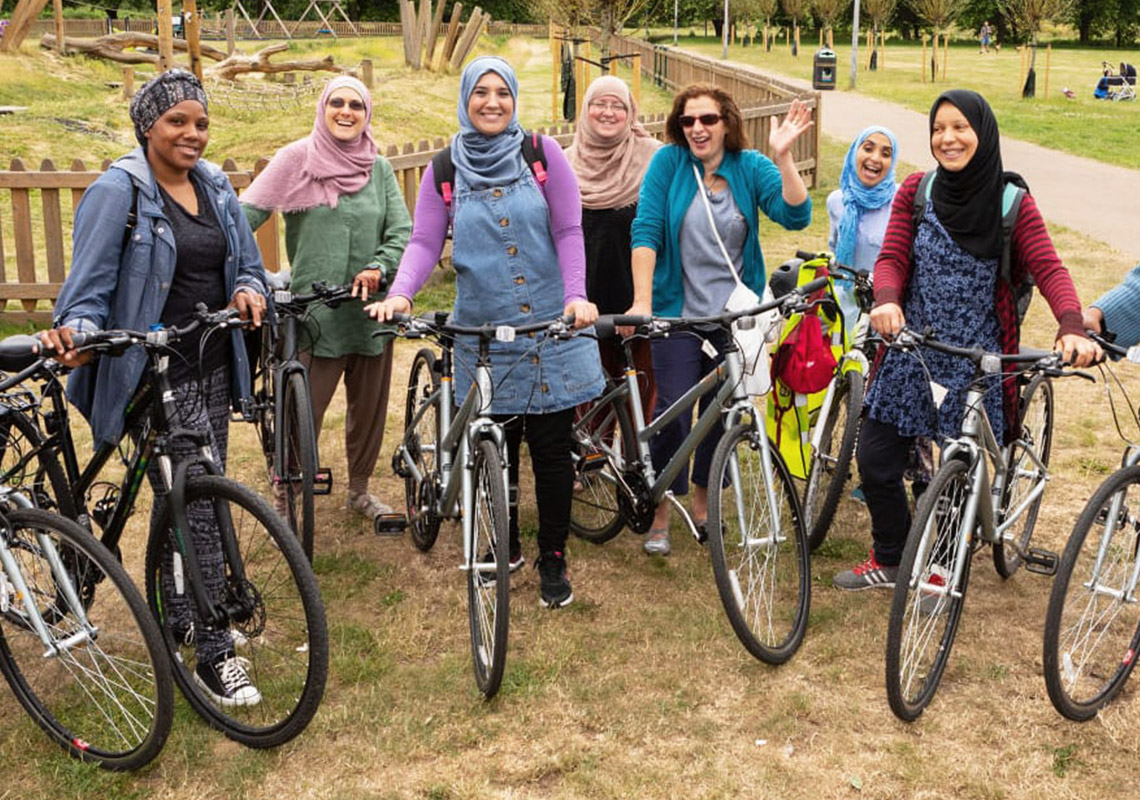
pixel 616 223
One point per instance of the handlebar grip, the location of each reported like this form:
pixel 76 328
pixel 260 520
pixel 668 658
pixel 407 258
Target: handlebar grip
pixel 606 325
pixel 806 256
pixel 812 286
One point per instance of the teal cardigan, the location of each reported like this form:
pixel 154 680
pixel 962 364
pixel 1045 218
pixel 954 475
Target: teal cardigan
pixel 666 193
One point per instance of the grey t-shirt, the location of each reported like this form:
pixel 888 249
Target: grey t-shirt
pixel 707 281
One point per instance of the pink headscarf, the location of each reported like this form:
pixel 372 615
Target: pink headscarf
pixel 317 170
pixel 610 170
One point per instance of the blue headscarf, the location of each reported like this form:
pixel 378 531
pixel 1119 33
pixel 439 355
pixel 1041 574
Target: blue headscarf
pixel 857 198
pixel 484 160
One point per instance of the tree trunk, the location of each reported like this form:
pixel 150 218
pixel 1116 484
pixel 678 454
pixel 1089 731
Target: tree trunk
pixel 259 62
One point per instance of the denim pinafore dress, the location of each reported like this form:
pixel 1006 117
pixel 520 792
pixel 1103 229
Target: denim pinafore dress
pixel 952 291
pixel 507 273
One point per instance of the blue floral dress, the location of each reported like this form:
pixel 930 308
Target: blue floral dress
pixel 952 291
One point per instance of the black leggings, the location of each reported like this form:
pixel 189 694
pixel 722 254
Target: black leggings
pixel 548 437
pixel 882 460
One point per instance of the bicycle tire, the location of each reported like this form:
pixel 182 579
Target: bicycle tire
pixel 119 681
pixel 284 637
pixel 601 442
pixel 299 459
pixel 47 486
pixel 765 587
pixel 1092 637
pixel 488 604
pixel 831 462
pixel 421 444
pixel 1037 430
pixel 934 534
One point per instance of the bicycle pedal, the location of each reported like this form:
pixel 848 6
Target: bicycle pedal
pixel 390 524
pixel 1041 562
pixel 592 463
pixel 322 481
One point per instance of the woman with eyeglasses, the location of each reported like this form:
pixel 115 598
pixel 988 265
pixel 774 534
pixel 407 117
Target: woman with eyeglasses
pixel 610 154
pixel 700 200
pixel 518 258
pixel 345 222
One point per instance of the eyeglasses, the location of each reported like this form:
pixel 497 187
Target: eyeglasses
pixel 338 102
pixel 615 108
pixel 708 120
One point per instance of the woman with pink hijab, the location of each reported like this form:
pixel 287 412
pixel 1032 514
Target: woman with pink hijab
pixel 345 222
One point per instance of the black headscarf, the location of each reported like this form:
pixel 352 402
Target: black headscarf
pixel 968 202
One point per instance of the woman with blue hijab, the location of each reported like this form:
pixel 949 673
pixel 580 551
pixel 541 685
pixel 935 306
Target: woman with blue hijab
pixel 860 208
pixel 519 258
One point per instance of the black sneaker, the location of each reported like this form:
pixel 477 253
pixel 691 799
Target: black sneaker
pixel 554 589
pixel 226 681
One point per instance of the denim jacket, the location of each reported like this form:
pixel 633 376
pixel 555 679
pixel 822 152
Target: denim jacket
pixel 121 279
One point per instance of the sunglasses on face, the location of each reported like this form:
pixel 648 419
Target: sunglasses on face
pixel 338 102
pixel 708 120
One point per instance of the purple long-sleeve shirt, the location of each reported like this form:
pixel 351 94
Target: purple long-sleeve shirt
pixel 562 197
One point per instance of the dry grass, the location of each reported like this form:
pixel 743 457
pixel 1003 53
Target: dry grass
pixel 639 688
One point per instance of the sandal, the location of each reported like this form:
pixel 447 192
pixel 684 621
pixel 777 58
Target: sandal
pixel 657 542
pixel 366 505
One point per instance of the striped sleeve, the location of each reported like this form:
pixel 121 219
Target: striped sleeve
pixel 892 268
pixel 1032 250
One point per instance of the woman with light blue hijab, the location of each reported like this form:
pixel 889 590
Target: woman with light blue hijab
pixel 519 258
pixel 860 208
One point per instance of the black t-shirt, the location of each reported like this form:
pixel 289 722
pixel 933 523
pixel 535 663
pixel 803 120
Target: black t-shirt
pixel 609 276
pixel 199 277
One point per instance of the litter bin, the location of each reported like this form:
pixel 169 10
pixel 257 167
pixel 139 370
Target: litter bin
pixel 823 72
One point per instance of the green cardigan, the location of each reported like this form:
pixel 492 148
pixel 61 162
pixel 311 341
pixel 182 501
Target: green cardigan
pixel 367 229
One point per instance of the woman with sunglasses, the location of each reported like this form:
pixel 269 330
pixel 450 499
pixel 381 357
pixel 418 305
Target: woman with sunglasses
pixel 704 190
pixel 610 154
pixel 518 258
pixel 345 222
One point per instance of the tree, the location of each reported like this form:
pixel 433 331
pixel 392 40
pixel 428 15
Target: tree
pixel 610 16
pixel 939 14
pixel 826 12
pixel 1029 15
pixel 795 9
pixel 879 11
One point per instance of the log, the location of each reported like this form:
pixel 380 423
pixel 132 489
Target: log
pixel 259 62
pixel 113 47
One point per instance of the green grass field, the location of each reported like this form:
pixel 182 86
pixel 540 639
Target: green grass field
pixel 639 688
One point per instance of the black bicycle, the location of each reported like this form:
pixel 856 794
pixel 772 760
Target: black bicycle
pixel 270 604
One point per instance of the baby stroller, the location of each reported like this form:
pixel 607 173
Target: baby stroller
pixel 1114 86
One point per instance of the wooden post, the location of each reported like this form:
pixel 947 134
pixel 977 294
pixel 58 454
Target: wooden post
pixel 924 58
pixel 366 72
pixel 452 36
pixel 945 53
pixel 433 33
pixel 128 82
pixel 193 33
pixel 165 35
pixel 556 69
pixel 1048 57
pixel 406 30
pixel 231 32
pixel 797 38
pixel 467 41
pixel 57 9
pixel 636 63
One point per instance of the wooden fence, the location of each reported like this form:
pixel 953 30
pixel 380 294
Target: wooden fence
pixel 213 28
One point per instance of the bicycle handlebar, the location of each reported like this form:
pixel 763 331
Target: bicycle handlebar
pixel 1050 363
pixel 329 294
pixel 437 323
pixel 1107 342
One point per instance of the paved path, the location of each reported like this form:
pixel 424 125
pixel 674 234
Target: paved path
pixel 1090 197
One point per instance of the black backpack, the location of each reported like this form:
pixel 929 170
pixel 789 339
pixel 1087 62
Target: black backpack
pixel 1015 190
pixel 443 169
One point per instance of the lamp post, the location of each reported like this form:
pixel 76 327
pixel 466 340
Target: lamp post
pixel 675 22
pixel 854 47
pixel 724 32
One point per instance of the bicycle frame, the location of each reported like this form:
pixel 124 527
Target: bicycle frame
pixel 1113 519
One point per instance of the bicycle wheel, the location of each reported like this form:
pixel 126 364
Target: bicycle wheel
pixel 1092 627
pixel 109 698
pixel 27 466
pixel 298 459
pixel 831 461
pixel 603 436
pixel 488 576
pixel 421 438
pixel 276 618
pixel 923 621
pixel 761 568
pixel 1021 473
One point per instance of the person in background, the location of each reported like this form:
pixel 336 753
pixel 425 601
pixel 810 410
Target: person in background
pixel 679 268
pixel 345 222
pixel 518 257
pixel 1118 311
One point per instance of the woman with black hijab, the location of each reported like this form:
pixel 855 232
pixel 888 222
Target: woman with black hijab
pixel 943 273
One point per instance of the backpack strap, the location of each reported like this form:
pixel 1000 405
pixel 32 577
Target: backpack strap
pixel 535 156
pixel 922 196
pixel 1011 198
pixel 132 216
pixel 443 172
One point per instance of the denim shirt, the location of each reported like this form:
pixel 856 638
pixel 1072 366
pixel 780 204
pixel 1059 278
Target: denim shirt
pixel 507 273
pixel 121 281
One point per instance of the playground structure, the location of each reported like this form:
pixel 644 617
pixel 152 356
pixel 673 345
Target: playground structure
pixel 421 31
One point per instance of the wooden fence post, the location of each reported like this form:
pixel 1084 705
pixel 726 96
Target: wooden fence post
pixel 193 34
pixel 366 72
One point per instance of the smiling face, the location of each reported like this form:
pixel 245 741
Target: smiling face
pixel 178 139
pixel 705 141
pixel 873 160
pixel 344 122
pixel 609 115
pixel 952 139
pixel 491 105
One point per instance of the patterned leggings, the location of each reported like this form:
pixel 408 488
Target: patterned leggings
pixel 200 405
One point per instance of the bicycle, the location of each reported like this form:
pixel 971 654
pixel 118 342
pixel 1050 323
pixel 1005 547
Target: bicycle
pixel 453 461
pixel 270 603
pixel 281 406
pixel 835 423
pixel 88 667
pixel 963 508
pixel 1092 626
pixel 755 528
